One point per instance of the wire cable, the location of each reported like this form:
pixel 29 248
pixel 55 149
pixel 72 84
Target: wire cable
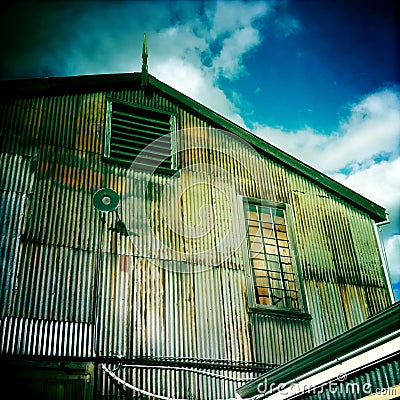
pixel 197 371
pixel 136 389
pixel 145 392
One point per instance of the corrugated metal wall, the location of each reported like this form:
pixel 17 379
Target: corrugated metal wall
pixel 163 292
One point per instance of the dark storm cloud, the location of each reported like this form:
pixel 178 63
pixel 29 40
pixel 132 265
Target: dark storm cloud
pixel 71 38
pixel 31 36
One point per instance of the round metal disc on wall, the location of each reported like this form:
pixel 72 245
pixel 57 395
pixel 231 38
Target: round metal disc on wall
pixel 106 200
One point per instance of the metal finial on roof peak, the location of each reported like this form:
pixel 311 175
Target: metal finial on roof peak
pixel 145 54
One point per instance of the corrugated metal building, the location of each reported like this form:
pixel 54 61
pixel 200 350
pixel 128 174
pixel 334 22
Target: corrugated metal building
pixel 152 247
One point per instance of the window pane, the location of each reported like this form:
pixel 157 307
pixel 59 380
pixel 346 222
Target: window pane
pixel 266 218
pixel 252 215
pixel 284 251
pixel 283 243
pixel 277 298
pixel 268 234
pixel 259 265
pixel 271 249
pixel 262 282
pixel 267 225
pixel 274 267
pixel 264 300
pixel 281 235
pixel 257 247
pixel 273 258
pixel 269 241
pixel 254 230
pixel 285 260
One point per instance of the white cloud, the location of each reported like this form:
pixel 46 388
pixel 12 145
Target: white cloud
pixel 197 84
pixel 392 248
pixel 234 25
pixel 230 16
pixel 380 183
pixel 372 130
pixel 304 144
pixel 178 52
pixel 180 41
pixel 229 62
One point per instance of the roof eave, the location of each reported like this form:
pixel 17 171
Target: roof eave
pixel 69 84
pixel 378 326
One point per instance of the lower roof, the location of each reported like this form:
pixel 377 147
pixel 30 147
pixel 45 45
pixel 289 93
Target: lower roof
pixel 379 326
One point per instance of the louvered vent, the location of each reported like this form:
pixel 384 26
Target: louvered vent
pixel 139 134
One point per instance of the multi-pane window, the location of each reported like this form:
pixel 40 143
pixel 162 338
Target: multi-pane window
pixel 271 258
pixel 139 134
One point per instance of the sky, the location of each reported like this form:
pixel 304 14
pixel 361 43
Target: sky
pixel 318 79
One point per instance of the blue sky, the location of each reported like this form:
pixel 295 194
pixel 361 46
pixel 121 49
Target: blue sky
pixel 319 79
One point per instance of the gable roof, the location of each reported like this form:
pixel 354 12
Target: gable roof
pixel 74 84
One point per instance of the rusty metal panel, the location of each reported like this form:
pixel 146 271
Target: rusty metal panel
pixel 19 124
pixel 60 210
pixel 338 277
pixel 325 305
pixel 171 309
pixel 68 122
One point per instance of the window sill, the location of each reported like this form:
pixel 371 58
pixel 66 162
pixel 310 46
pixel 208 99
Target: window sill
pixel 279 312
